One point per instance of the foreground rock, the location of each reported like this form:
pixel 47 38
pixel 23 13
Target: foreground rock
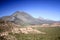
pixel 7 27
pixel 27 30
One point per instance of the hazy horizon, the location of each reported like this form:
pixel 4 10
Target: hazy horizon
pixel 48 9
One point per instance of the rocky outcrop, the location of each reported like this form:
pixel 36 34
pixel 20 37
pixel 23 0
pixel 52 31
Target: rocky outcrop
pixel 27 30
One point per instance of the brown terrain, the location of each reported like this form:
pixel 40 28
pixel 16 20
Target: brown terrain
pixel 9 27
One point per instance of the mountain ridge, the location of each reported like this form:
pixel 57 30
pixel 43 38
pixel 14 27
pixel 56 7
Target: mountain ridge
pixel 24 18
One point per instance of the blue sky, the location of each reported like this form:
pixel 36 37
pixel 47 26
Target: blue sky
pixel 48 9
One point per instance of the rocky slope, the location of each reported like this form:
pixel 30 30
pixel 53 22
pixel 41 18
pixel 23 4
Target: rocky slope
pixel 7 28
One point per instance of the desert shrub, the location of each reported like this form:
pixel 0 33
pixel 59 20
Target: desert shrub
pixel 5 26
pixel 57 38
pixel 2 38
pixel 1 21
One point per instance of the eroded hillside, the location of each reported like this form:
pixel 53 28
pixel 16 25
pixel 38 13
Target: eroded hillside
pixel 7 28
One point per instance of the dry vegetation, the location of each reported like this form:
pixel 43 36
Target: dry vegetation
pixel 11 31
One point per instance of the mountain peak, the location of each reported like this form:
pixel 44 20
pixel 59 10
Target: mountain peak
pixel 41 18
pixel 17 12
pixel 20 12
